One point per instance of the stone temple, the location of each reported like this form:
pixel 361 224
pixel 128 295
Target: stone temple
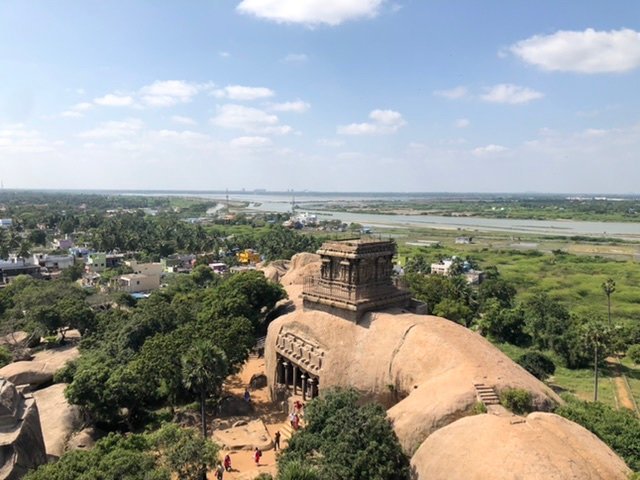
pixel 350 326
pixel 355 277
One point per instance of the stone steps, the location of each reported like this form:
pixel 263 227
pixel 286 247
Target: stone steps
pixel 487 395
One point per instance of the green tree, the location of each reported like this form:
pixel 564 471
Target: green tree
pixel 345 441
pixel 115 457
pixel 546 321
pixel 620 429
pixel 184 452
pixel 204 368
pixel 503 324
pixel 537 364
pixel 609 287
pixel 454 310
pixel 598 337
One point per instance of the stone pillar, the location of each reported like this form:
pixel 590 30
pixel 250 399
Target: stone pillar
pixel 304 387
pixel 295 379
pixel 311 381
pixel 286 373
pixel 279 371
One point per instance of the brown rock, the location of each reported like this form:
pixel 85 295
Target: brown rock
pixel 21 444
pixel 544 446
pixel 246 437
pixel 58 418
pixel 41 369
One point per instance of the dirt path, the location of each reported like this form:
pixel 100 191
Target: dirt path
pixel 622 389
pixel 243 465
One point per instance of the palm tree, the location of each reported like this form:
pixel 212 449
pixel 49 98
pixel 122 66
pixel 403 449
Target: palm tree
pixel 204 368
pixel 598 336
pixel 609 287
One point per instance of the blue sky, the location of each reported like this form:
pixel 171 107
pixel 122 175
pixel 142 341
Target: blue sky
pixel 334 95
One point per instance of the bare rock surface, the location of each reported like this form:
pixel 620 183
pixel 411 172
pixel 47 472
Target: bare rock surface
pixel 58 418
pixel 543 445
pixel 302 265
pixel 85 439
pixel 245 437
pixel 274 270
pixel 424 366
pixel 41 369
pixel 21 444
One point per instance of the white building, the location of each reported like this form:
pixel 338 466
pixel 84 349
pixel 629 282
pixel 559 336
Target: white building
pixel 6 222
pixel 442 268
pixel 53 262
pixel 136 282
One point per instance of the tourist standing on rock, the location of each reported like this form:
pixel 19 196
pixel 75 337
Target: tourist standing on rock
pixel 257 455
pixel 227 462
pixel 276 441
pixel 247 395
pixel 292 417
pixel 219 471
pixel 296 422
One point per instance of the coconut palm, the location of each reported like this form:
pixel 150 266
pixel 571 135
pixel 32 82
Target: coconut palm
pixel 609 287
pixel 204 368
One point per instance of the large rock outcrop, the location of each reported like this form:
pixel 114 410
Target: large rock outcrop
pixel 41 369
pixel 542 446
pixel 21 444
pixel 58 418
pixel 425 369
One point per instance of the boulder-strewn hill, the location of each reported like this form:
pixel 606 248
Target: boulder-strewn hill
pixel 424 368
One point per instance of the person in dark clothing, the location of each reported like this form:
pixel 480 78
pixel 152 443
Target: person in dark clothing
pixel 276 441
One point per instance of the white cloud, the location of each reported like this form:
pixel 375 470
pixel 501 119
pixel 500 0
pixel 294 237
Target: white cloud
pixel 512 94
pixel 17 139
pixel 168 93
pixel 330 142
pixel 453 93
pixel 249 119
pixel 250 142
pixel 462 123
pixel 240 92
pixel 384 121
pixel 114 100
pixel 114 129
pixel 183 120
pixel 589 51
pixel 489 150
pixel 77 110
pixel 298 106
pixel 224 54
pixel 310 12
pixel 296 58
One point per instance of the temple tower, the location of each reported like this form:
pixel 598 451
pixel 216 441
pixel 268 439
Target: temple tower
pixel 355 278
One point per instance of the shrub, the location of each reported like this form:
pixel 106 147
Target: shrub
pixel 5 356
pixel 478 408
pixel 517 400
pixel 634 353
pixel 620 429
pixel 537 364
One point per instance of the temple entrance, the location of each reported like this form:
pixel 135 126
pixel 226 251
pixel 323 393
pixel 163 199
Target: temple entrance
pixel 296 379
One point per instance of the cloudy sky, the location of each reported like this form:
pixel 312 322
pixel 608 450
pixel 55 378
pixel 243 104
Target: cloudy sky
pixel 332 95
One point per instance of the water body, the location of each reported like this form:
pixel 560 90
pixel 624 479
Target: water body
pixel 281 203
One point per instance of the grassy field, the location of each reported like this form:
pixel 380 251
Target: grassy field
pixel 578 382
pixel 568 270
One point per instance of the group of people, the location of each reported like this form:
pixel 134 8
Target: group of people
pixel 294 418
pixel 225 465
